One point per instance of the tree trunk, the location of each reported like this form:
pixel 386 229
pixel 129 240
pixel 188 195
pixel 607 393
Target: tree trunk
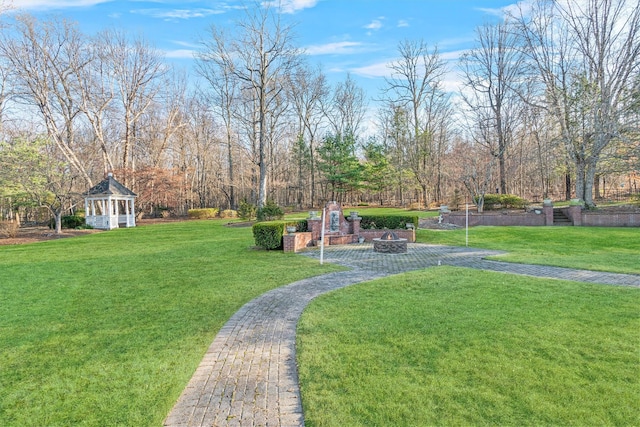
pixel 58 220
pixel 580 179
pixel 232 191
pixel 590 175
pixel 503 173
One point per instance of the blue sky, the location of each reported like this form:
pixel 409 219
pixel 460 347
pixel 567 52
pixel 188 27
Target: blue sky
pixel 355 36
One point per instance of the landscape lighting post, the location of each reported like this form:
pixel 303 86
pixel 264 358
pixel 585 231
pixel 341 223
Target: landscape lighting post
pixel 322 237
pixel 466 232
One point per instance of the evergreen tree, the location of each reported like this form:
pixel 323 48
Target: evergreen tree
pixel 339 164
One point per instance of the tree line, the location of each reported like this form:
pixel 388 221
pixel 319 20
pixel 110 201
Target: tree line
pixel 549 107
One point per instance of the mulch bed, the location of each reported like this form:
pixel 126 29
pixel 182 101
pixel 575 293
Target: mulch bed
pixel 41 234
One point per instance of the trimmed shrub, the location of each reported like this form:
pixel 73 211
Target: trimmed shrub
pixel 502 201
pixel 268 234
pixel 270 212
pixel 229 213
pixel 512 201
pixel 247 211
pixel 391 222
pixel 203 213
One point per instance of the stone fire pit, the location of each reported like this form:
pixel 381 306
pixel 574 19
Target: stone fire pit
pixel 390 243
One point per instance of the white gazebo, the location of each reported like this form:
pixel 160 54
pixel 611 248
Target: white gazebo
pixel 109 205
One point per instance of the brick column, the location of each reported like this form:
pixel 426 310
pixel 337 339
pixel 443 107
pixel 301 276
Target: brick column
pixel 289 242
pixel 547 209
pixel 314 225
pixel 575 213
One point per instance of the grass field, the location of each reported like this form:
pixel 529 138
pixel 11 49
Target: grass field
pixel 107 329
pixel 457 347
pixel 593 248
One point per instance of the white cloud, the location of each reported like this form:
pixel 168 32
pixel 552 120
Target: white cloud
pixel 290 6
pixel 178 13
pixel 337 48
pixel 375 25
pixel 380 69
pixel 523 7
pixel 54 4
pixel 185 44
pixel 403 23
pixel 180 54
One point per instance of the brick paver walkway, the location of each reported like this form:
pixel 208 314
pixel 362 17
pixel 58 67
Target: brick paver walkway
pixel 249 376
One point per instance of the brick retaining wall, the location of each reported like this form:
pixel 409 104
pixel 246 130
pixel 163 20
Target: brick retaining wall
pixel 578 217
pixel 495 218
pixel 298 241
pixel 628 219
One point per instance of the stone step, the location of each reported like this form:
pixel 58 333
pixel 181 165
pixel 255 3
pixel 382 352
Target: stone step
pixel 559 218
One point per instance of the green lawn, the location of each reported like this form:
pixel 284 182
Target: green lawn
pixel 592 248
pixel 451 346
pixel 107 329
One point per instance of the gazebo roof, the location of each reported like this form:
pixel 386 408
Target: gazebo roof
pixel 109 187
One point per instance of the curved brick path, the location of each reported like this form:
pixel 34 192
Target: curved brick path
pixel 249 376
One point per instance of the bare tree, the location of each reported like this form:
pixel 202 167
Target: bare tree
pixel 264 55
pixel 586 55
pixel 137 68
pixel 308 91
pixel 492 77
pixel 397 134
pixel 416 86
pixel 215 63
pixel 46 58
pixel 347 108
pixel 97 93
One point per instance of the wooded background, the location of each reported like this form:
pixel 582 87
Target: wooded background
pixel 550 108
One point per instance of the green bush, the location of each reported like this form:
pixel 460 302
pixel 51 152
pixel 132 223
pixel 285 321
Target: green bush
pixel 387 222
pixel 301 225
pixel 204 213
pixel 70 221
pixel 268 234
pixel 247 211
pixel 229 213
pixel 512 201
pixel 502 201
pixel 270 212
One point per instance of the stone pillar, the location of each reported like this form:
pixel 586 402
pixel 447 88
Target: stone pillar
pixel 355 223
pixel 314 225
pixel 547 209
pixel 575 213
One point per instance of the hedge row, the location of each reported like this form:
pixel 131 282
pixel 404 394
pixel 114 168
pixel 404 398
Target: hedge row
pixel 268 234
pixel 379 222
pixel 503 201
pixel 203 213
